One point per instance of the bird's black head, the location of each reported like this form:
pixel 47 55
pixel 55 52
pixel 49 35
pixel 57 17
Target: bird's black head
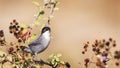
pixel 46 28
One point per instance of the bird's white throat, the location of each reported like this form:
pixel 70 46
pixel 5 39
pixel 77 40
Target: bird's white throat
pixel 46 35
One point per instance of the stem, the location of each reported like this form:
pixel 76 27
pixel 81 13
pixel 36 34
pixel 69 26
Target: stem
pixel 41 62
pixel 51 12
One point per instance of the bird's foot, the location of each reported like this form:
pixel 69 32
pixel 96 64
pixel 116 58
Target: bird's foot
pixel 36 59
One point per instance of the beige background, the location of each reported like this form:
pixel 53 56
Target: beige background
pixel 77 21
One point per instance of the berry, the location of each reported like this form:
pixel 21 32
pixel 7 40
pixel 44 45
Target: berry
pixel 83 52
pixel 107 43
pixel 117 64
pixel 14 20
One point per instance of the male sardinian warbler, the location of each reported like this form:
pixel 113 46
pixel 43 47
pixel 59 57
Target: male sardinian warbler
pixel 41 43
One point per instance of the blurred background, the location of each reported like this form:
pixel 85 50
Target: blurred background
pixel 76 22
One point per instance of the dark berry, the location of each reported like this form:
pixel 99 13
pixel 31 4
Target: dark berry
pixel 116 52
pixel 103 40
pixel 22 29
pixel 19 40
pixel 102 46
pixel 86 60
pixel 94 49
pixel 114 45
pixel 11 32
pixel 104 61
pixel 97 50
pixel 18 26
pixel 67 65
pixel 107 49
pixel 10 50
pixel 117 64
pixel 16 29
pixel 14 26
pixel 83 52
pixel 14 20
pixel 16 23
pixel 88 42
pixel 110 39
pixel 96 44
pixel 15 34
pixel 10 27
pixel 10 23
pixel 96 41
pixel 107 43
pixel 1 33
pixel 86 45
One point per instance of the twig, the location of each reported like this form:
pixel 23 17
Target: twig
pixel 41 62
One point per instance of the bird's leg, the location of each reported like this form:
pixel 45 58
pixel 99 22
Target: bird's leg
pixel 35 57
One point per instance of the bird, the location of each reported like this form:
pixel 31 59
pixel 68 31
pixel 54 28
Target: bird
pixel 41 43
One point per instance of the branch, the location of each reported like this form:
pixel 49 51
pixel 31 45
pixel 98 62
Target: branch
pixel 41 62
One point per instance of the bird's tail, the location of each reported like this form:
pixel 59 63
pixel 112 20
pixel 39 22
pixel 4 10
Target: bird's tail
pixel 27 50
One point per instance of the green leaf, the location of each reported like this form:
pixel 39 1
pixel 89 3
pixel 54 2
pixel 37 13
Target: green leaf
pixel 39 18
pixel 41 11
pixel 51 16
pixel 37 66
pixel 55 64
pixel 44 18
pixel 36 3
pixel 56 8
pixel 22 24
pixel 2 53
pixel 37 23
pixel 34 36
pixel 46 1
pixel 32 25
pixel 24 31
pixel 9 58
pixel 59 55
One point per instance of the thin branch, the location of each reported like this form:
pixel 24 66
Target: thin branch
pixel 41 62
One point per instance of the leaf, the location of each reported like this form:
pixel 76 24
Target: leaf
pixel 36 3
pixel 56 8
pixel 59 55
pixel 2 53
pixel 51 16
pixel 55 64
pixel 9 58
pixel 46 1
pixel 37 66
pixel 22 24
pixel 62 62
pixel 44 18
pixel 24 31
pixel 41 11
pixel 32 25
pixel 1 65
pixel 39 18
pixel 34 36
pixel 37 23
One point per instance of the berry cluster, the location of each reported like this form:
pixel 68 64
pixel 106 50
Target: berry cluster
pixel 19 32
pixel 2 38
pixel 117 57
pixel 102 51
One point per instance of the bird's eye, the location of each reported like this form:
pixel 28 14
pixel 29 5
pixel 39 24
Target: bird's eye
pixel 44 30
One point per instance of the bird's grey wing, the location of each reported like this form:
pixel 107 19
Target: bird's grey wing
pixel 36 42
pixel 37 49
